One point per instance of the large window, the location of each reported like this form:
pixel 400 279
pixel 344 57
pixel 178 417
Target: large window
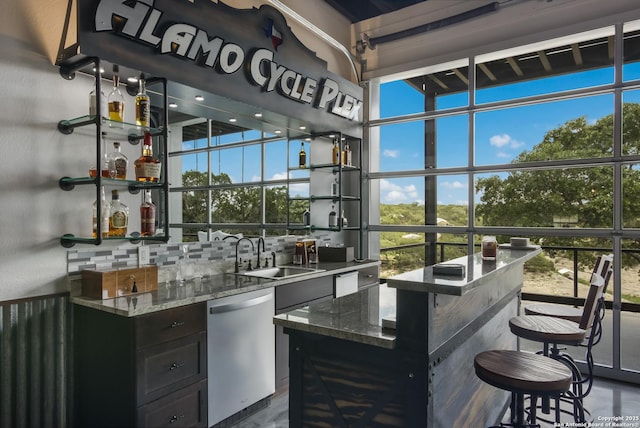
pixel 225 183
pixel 540 141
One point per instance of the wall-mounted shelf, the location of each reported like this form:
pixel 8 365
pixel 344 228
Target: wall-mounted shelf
pixel 96 126
pixel 321 173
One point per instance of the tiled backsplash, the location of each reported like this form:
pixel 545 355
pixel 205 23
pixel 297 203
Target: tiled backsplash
pixel 208 257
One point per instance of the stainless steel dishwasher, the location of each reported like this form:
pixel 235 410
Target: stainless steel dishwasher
pixel 240 352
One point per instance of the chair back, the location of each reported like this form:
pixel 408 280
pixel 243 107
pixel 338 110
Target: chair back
pixel 604 268
pixel 599 280
pixel 591 302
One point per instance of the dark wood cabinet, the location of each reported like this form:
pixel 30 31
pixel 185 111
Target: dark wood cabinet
pixel 289 297
pixel 144 371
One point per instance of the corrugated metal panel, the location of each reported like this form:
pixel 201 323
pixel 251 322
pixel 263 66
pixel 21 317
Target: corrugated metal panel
pixel 35 362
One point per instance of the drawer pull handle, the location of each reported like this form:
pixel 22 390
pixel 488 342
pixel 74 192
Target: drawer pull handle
pixel 176 324
pixel 175 418
pixel 175 366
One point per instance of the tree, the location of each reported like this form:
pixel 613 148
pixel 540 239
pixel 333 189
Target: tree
pixel 534 197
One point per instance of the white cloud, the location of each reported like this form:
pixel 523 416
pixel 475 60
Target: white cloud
pixel 279 176
pixel 390 153
pixel 393 193
pixel 505 140
pixel 454 185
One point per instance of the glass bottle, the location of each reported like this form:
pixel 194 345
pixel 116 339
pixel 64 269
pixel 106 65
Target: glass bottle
pixel 333 217
pixel 105 169
pixel 306 217
pixel 143 104
pixel 104 215
pixel 93 110
pixel 343 220
pixel 147 215
pixel 335 155
pixel 302 157
pixel 147 167
pixel 346 155
pixel 116 100
pixel 335 187
pixel 119 216
pixel 118 162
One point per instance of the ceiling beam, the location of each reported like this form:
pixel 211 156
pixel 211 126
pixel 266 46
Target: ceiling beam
pixel 577 55
pixel 514 65
pixel 487 72
pixel 544 60
pixel 461 76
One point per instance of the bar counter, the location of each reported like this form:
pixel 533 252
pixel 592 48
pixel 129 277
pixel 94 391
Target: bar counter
pixel 347 370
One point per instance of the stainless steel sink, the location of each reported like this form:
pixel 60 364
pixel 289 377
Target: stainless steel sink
pixel 280 272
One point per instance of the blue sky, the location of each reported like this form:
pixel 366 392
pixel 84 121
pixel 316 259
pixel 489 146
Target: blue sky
pixel 501 135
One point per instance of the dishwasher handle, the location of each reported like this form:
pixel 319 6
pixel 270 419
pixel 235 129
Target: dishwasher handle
pixel 240 305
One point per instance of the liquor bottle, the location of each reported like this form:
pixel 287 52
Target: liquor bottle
pixel 333 217
pixel 118 216
pixel 343 220
pixel 105 168
pixel 116 100
pixel 306 217
pixel 147 215
pixel 143 104
pixel 93 108
pixel 335 155
pixel 302 157
pixel 346 155
pixel 147 167
pixel 335 187
pixel 118 162
pixel 104 215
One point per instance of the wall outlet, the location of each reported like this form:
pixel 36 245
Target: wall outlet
pixel 144 258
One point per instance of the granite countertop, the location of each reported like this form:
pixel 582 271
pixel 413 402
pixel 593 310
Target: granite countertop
pixel 356 317
pixel 477 273
pixel 171 294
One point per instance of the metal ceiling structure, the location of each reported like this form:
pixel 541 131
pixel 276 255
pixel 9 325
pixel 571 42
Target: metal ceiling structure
pixel 359 10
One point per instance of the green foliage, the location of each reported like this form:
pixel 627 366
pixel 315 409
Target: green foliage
pixel 532 198
pixel 539 264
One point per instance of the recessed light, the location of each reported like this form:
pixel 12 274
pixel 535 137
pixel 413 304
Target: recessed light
pixel 132 79
pixel 307 139
pixel 277 131
pixel 173 105
pixel 199 98
pixel 233 120
pixel 101 70
pixel 302 127
pixel 258 114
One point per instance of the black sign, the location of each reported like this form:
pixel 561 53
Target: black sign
pixel 248 55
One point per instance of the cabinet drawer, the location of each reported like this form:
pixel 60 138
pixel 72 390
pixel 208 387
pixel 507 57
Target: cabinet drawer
pixel 170 324
pixel 368 276
pixel 168 366
pixel 184 408
pixel 300 293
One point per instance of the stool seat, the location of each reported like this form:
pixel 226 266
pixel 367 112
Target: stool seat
pixel 569 313
pixel 523 372
pixel 547 329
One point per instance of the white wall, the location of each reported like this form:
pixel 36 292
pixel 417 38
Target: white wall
pixel 34 211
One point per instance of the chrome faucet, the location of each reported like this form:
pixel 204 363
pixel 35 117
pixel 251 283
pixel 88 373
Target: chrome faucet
pixel 237 265
pixel 266 262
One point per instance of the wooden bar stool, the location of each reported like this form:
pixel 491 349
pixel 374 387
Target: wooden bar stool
pixel 523 373
pixel 554 331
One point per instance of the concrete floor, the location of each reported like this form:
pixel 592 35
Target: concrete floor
pixel 607 399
